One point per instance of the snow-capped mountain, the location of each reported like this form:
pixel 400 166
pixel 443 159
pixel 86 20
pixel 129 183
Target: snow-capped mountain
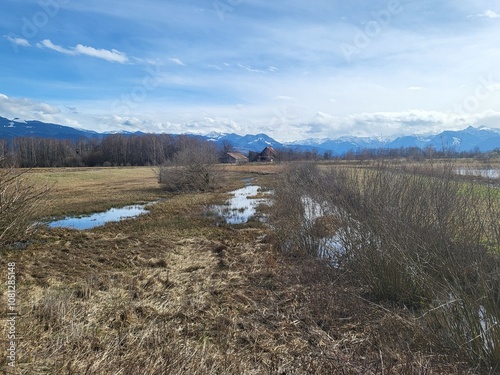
pixel 308 142
pixel 257 142
pixel 409 141
pixel 481 138
pixel 469 139
pixel 19 128
pixel 249 142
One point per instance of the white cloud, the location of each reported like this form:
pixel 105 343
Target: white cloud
pixel 250 69
pixel 414 88
pixel 17 41
pixel 108 55
pixel 46 43
pixel 488 14
pixel 16 105
pixel 282 123
pixel 28 109
pixel 391 124
pixel 111 56
pixel 493 87
pixel 177 61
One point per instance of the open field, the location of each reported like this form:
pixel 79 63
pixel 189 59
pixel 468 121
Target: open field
pixel 86 190
pixel 175 292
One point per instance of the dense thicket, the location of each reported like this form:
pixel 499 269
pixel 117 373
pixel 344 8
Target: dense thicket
pixel 414 234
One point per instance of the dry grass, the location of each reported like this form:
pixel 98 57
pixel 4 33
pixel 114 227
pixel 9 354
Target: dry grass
pixel 86 190
pixel 256 168
pixel 172 293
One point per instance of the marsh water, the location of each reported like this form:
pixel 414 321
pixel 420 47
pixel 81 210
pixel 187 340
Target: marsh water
pixel 241 207
pixel 100 218
pixel 237 210
pixel 328 247
pixel 484 173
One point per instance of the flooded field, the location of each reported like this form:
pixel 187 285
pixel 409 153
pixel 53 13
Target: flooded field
pixel 242 206
pixel 100 218
pixel 484 173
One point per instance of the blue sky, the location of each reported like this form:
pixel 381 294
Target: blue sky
pixel 296 69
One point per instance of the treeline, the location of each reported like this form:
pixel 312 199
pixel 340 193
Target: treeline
pixel 410 153
pixel 157 149
pixel 113 150
pixel 413 153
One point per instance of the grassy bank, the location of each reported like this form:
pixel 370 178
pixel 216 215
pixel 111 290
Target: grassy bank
pixel 173 292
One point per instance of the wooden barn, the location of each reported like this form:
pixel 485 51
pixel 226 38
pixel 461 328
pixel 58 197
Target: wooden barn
pixel 233 158
pixel 268 155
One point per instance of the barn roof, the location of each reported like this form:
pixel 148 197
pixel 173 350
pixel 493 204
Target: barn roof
pixel 269 151
pixel 237 155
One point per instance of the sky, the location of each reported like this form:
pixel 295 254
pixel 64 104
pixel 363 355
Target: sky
pixel 292 69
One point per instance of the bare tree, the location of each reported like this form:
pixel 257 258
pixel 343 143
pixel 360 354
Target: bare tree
pixel 226 147
pixel 192 168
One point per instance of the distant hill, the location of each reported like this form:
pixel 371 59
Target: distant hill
pixel 16 128
pixel 469 139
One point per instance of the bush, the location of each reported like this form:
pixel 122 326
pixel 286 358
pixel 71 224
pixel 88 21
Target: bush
pixel 303 222
pixel 19 203
pixel 419 237
pixel 193 168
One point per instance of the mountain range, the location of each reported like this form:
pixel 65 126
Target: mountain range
pixel 469 139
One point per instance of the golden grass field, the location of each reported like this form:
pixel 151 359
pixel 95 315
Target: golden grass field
pixel 85 190
pixel 173 292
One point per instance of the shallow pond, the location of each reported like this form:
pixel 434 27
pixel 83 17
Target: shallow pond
pixel 484 173
pixel 241 207
pixel 329 247
pixel 100 218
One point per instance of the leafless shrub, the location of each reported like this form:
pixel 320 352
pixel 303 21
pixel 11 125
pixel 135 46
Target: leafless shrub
pixel 193 168
pixel 19 202
pixel 295 210
pixel 417 236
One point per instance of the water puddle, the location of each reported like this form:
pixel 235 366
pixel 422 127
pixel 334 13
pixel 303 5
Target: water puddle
pixel 325 240
pixel 484 173
pixel 248 181
pixel 100 218
pixel 242 207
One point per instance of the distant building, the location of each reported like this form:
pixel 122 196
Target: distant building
pixel 268 155
pixel 233 158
